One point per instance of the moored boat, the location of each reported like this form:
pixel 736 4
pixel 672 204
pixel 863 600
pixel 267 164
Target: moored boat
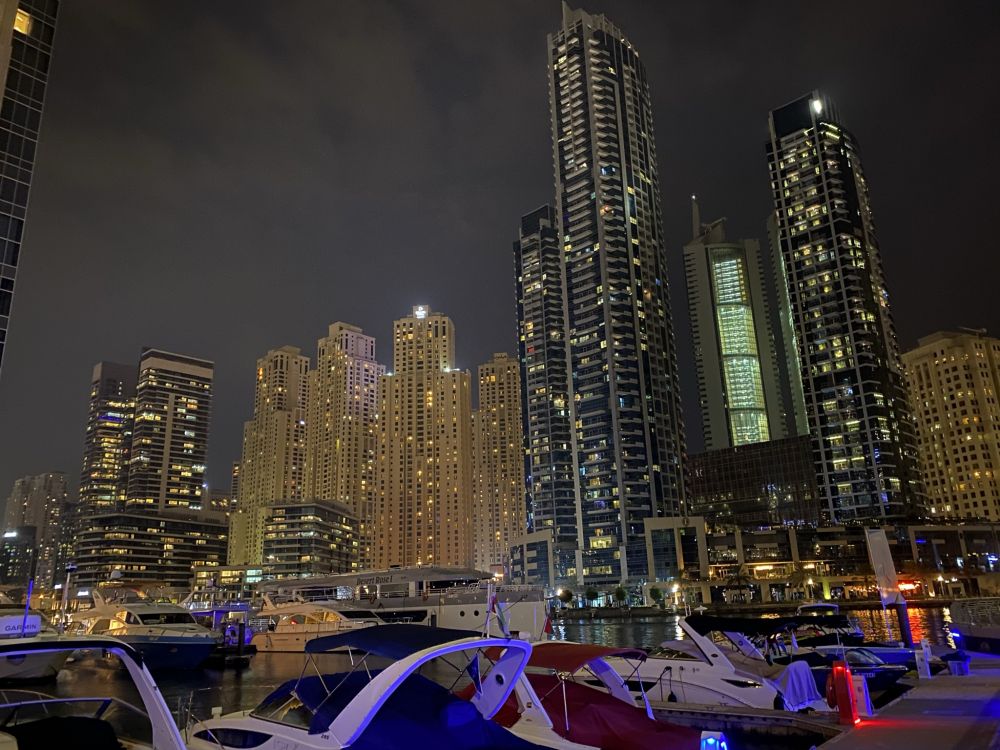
pixel 975 624
pixel 16 624
pixel 165 634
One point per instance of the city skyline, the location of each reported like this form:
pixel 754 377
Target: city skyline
pixel 486 319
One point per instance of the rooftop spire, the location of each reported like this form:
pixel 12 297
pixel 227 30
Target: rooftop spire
pixel 695 217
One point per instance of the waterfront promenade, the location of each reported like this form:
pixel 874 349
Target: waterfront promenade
pixel 943 713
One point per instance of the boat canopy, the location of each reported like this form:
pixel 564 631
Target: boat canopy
pixel 569 657
pixel 705 624
pixel 394 641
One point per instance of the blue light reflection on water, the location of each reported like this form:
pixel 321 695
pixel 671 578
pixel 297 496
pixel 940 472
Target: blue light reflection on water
pixel 647 632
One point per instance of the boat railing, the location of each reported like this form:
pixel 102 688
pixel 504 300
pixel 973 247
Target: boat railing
pixel 977 612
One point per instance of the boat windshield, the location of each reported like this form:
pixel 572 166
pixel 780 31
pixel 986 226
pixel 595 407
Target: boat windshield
pixel 167 618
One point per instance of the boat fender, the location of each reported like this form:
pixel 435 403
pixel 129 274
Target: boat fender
pixel 831 691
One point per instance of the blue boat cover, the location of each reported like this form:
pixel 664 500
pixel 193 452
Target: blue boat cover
pixel 419 714
pixel 391 641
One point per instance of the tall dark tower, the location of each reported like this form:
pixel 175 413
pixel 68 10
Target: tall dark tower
pixel 26 31
pixel 863 439
pixel 627 444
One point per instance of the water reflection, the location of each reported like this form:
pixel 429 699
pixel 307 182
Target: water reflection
pixel 647 632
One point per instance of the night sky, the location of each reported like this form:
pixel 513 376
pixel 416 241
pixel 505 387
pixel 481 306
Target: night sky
pixel 219 179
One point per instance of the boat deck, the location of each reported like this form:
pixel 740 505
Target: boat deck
pixel 944 713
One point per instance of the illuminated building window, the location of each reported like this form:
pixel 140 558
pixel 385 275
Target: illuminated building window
pixel 22 22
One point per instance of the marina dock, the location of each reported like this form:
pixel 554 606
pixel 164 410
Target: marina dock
pixel 944 713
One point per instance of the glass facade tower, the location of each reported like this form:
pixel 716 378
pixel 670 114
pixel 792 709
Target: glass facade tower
pixel 626 441
pixel 27 28
pixel 863 439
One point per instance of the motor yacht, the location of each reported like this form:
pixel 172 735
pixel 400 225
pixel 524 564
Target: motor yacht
pixel 698 669
pixel 290 626
pixel 398 693
pixel 297 610
pixel 165 634
pixel 821 624
pixel 77 712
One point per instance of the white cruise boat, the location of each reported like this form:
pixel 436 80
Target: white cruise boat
pixel 298 610
pixel 165 634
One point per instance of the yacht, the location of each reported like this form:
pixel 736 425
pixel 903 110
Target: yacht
pixel 290 626
pixel 165 634
pixel 975 624
pixel 81 712
pixel 15 624
pixel 408 702
pixel 699 670
pixel 457 598
pixel 821 624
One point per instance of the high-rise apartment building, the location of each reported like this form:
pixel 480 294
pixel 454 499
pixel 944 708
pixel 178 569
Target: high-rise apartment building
pixel 272 467
pixel 953 380
pixel 39 502
pixel 423 509
pixel 545 400
pixel 310 538
pixel 863 440
pixel 498 515
pixel 343 400
pixel 170 437
pixel 624 398
pixel 108 440
pixel 27 28
pixel 737 350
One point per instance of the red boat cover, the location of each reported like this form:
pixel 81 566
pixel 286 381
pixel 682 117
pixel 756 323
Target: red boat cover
pixel 569 657
pixel 601 720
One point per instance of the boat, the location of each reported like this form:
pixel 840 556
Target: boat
pixel 572 690
pixel 15 624
pixel 975 624
pixel 697 670
pixel 372 708
pixel 74 715
pixel 821 624
pixel 290 626
pixel 899 655
pixel 760 647
pixel 455 598
pixel 230 621
pixel 165 634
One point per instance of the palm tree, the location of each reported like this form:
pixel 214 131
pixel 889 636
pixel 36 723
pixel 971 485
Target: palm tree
pixel 797 579
pixel 620 595
pixel 741 581
pixel 656 595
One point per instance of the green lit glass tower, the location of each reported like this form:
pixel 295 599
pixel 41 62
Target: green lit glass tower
pixel 863 439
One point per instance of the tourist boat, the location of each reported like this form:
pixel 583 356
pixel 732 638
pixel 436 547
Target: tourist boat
pixel 81 714
pixel 975 624
pixel 290 626
pixel 571 690
pixel 732 672
pixel 399 705
pixel 165 634
pixel 16 623
pixel 442 597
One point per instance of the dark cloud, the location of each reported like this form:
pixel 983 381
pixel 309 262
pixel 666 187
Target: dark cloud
pixel 222 178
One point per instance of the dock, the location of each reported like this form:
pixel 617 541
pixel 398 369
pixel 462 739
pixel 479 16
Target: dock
pixel 944 713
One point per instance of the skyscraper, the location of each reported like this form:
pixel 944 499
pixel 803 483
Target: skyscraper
pixel 737 351
pixel 272 467
pixel 498 515
pixel 863 439
pixel 170 438
pixel 624 396
pixel 343 400
pixel 27 28
pixel 39 502
pixel 953 380
pixel 423 513
pixel 108 439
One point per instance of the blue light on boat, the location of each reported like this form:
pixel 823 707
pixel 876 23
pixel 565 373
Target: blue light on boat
pixel 713 741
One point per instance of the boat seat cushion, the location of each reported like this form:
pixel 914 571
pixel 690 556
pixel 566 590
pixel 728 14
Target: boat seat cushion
pixel 65 731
